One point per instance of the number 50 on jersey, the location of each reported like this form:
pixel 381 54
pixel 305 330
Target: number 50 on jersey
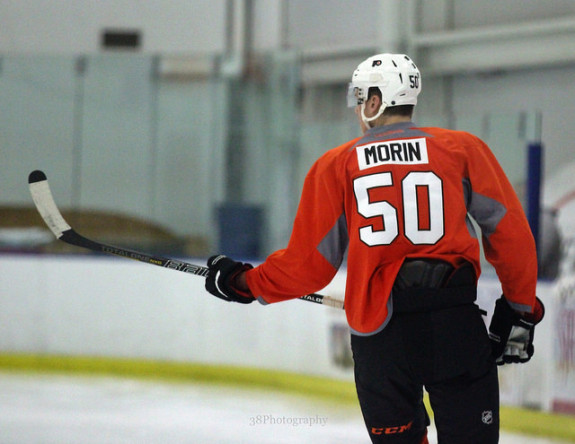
pixel 421 191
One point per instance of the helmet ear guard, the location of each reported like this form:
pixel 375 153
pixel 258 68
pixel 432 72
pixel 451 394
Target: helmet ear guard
pixel 357 96
pixel 368 120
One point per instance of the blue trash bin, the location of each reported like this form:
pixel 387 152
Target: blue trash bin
pixel 240 230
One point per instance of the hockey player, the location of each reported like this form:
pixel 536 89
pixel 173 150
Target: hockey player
pixel 399 199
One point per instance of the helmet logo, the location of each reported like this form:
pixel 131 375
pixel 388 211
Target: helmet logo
pixel 376 63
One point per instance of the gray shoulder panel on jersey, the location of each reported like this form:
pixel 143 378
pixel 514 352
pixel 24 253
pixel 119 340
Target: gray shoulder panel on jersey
pixel 332 247
pixel 487 212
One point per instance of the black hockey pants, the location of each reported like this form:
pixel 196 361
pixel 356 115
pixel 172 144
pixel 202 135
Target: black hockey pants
pixel 441 346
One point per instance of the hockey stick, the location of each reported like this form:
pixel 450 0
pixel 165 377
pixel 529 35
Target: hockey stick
pixel 47 208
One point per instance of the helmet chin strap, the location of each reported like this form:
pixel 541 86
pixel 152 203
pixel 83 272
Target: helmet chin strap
pixel 368 120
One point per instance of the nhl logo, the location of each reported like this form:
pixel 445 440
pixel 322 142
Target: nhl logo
pixel 487 417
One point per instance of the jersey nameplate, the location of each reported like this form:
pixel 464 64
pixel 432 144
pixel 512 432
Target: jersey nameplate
pixel 406 152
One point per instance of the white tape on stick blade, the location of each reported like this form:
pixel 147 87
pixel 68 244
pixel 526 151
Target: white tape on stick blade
pixel 45 204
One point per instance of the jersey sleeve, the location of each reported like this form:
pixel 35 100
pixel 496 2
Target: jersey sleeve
pixel 317 243
pixel 507 239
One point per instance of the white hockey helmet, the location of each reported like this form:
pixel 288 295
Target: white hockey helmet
pixel 395 75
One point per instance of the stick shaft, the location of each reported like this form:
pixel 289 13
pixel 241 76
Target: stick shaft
pixel 51 215
pixel 73 238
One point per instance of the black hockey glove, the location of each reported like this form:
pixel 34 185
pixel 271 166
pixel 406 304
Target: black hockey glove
pixel 220 281
pixel 511 333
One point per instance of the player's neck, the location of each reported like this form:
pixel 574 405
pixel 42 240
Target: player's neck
pixel 385 120
pixel 390 120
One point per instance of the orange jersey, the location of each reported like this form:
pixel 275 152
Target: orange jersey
pixel 400 191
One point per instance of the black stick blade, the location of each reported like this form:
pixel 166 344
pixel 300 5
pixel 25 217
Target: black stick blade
pixel 36 176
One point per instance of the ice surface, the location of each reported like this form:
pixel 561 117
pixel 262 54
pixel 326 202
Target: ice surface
pixel 59 409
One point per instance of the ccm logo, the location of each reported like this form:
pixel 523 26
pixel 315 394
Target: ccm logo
pixel 391 430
